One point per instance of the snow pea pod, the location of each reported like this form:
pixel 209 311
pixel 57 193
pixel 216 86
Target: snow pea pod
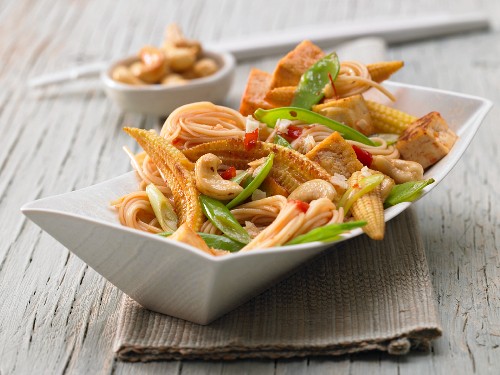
pixel 327 233
pixel 256 182
pixel 223 219
pixel 215 241
pixel 406 192
pixel 270 116
pixel 313 81
pixel 240 177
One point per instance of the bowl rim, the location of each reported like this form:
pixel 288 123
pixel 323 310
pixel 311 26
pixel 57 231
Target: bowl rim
pixel 228 66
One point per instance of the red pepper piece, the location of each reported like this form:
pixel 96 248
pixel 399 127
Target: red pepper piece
pixel 251 139
pixel 228 173
pixel 302 206
pixel 294 132
pixel 363 156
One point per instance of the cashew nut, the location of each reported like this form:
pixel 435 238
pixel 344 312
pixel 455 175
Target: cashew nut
pixel 210 183
pixel 205 67
pixel 181 59
pixel 314 189
pixel 400 170
pixel 174 38
pixel 136 68
pixel 173 79
pixel 385 187
pixel 122 74
pixel 154 65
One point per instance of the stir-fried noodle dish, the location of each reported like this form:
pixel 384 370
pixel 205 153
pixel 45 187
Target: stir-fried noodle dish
pixel 306 158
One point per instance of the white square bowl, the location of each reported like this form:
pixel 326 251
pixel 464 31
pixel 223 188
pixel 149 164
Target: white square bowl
pixel 178 280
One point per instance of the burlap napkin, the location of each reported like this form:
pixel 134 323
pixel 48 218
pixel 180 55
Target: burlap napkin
pixel 361 295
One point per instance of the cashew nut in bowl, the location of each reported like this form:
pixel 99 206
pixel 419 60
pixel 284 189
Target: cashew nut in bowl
pixel 124 75
pixel 174 79
pixel 174 38
pixel 205 67
pixel 179 60
pixel 400 170
pixel 385 187
pixel 136 68
pixel 314 189
pixel 209 182
pixel 154 64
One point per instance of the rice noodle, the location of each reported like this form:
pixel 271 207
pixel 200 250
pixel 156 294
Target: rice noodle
pixel 321 212
pixel 383 148
pixel 353 79
pixel 201 122
pixel 261 213
pixel 134 210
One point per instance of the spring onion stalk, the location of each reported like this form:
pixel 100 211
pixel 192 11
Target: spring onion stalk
pixel 215 241
pixel 366 185
pixel 256 182
pixel 313 81
pixel 223 219
pixel 270 116
pixel 279 140
pixel 406 192
pixel 162 208
pixel 240 177
pixel 328 233
pixel 390 138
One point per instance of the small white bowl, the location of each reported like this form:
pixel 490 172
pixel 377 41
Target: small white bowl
pixel 162 100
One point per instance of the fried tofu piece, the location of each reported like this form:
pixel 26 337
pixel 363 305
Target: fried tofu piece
pixel 291 67
pixel 351 111
pixel 255 92
pixel 335 155
pixel 188 236
pixel 427 140
pixel 281 96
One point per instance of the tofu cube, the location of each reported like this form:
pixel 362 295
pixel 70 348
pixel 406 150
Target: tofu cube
pixel 427 140
pixel 335 155
pixel 291 67
pixel 255 92
pixel 188 236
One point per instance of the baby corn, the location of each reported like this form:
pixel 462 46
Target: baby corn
pixel 388 120
pixel 369 207
pixel 175 169
pixel 383 70
pixel 290 168
pixel 335 155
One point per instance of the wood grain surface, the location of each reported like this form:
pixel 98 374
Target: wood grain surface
pixel 58 316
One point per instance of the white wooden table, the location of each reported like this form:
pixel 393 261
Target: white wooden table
pixel 58 316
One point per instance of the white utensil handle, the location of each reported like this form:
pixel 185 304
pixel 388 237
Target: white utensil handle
pixel 68 75
pixel 392 30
